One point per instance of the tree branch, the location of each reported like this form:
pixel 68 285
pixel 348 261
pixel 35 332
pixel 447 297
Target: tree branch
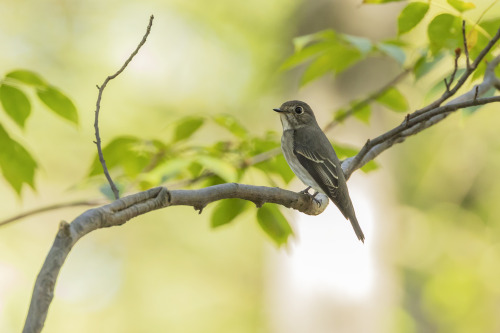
pixel 98 107
pixel 122 210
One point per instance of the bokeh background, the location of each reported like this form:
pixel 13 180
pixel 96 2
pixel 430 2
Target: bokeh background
pixel 431 262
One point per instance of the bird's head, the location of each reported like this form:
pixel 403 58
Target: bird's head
pixel 295 114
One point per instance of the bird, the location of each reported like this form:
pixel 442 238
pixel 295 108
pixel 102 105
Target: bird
pixel 312 158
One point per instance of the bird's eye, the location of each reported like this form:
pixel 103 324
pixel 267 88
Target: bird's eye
pixel 299 110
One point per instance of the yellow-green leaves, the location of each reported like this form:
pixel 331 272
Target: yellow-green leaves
pixel 220 167
pixel 231 124
pixel 461 6
pixel 274 224
pixel 227 210
pixel 445 31
pixel 27 77
pixel 187 127
pixel 15 103
pixel 394 100
pixel 59 103
pixel 411 15
pixel 17 164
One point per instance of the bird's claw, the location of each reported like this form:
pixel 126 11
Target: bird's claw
pixel 305 191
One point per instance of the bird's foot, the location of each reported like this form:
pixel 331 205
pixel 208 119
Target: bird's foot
pixel 314 198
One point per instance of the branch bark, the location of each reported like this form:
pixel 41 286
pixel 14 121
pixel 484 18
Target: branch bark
pixel 126 208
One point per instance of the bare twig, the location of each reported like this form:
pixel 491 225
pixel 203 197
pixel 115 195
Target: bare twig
pixel 452 77
pixel 51 207
pixel 98 107
pixel 466 47
pixel 122 210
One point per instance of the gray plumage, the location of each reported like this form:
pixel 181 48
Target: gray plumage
pixel 312 158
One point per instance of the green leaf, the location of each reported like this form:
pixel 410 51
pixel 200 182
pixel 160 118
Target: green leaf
pixel 305 54
pixel 461 6
pixel 187 127
pixel 226 211
pixel 445 31
pixel 122 152
pixel 364 45
pixel 344 151
pixel 274 224
pixel 393 51
pixel 15 103
pixel 27 77
pixel 370 166
pixel 363 113
pixel 221 168
pixel 17 164
pixel 411 15
pixel 58 102
pixel 231 124
pixel 277 165
pixel 300 42
pixel 425 65
pixel 394 100
pixel 377 2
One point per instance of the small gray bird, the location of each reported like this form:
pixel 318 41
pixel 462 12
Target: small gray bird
pixel 312 158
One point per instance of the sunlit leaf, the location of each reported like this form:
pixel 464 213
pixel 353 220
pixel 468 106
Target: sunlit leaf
pixel 393 51
pixel 274 224
pixel 231 124
pixel 411 15
pixel 445 31
pixel 461 6
pixel 306 54
pixel 344 151
pixel 58 102
pixel 300 42
pixel 122 152
pixel 363 113
pixel 227 210
pixel 394 100
pixel 17 164
pixel 187 127
pixel 221 168
pixel 277 165
pixel 491 26
pixel 15 103
pixel 27 77
pixel 170 168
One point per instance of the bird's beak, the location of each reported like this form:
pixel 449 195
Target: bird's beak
pixel 278 110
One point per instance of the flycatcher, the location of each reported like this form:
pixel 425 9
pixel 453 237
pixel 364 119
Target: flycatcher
pixel 312 158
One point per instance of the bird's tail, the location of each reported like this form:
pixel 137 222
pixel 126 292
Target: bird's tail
pixel 357 227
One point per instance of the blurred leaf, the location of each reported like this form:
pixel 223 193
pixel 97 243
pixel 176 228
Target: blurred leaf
pixel 370 166
pixel 335 60
pixel 221 168
pixel 344 151
pixel 195 169
pixel 425 65
pixel 364 45
pixel 305 54
pixel 491 26
pixel 15 103
pixel 393 51
pixel 394 100
pixel 227 210
pixel 17 164
pixel 170 168
pixel 300 42
pixel 122 152
pixel 379 1
pixel 275 225
pixel 439 88
pixel 58 102
pixel 186 127
pixel 445 31
pixel 363 113
pixel 231 124
pixel 27 77
pixel 277 165
pixel 461 6
pixel 411 15
pixel 340 115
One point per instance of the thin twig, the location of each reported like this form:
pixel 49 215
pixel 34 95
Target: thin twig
pixel 39 210
pixel 452 77
pixel 98 107
pixel 466 48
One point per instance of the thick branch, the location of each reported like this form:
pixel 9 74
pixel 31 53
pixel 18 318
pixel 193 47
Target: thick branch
pixel 122 210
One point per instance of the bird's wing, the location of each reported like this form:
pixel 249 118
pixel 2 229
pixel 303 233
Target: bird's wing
pixel 322 169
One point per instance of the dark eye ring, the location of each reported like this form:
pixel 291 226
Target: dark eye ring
pixel 299 110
